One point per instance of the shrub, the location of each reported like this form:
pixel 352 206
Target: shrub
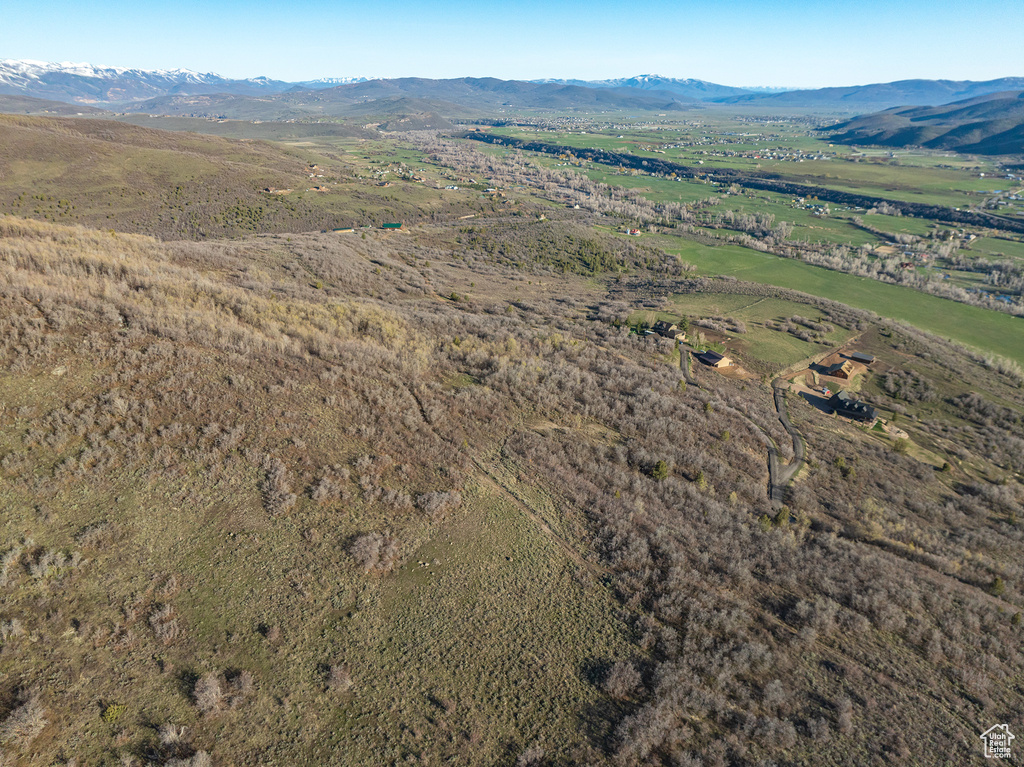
pixel 277 493
pixel 374 551
pixel 844 719
pixel 339 677
pixel 997 588
pixel 170 735
pixel 436 504
pixel 113 712
pixel 25 721
pixel 165 626
pixel 622 680
pixel 531 757
pixel 209 693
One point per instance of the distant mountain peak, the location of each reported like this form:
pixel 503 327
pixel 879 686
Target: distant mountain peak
pixel 690 88
pixel 82 82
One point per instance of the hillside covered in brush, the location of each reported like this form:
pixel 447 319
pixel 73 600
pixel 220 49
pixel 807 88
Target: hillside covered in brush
pixel 317 499
pixel 107 174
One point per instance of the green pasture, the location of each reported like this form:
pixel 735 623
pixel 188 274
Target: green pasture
pixel 761 348
pixel 899 224
pixel 983 329
pixel 998 248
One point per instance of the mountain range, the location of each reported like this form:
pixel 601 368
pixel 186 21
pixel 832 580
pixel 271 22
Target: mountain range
pixel 989 124
pixel 453 97
pixel 182 92
pixel 86 83
pixel 701 90
pixel 860 98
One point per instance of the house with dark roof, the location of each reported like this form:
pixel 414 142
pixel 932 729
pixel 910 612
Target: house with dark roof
pixel 848 407
pixel 666 329
pixel 867 359
pixel 714 359
pixel 842 369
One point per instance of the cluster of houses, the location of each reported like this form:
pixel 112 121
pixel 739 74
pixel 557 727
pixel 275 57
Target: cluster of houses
pixel 709 358
pixel 842 402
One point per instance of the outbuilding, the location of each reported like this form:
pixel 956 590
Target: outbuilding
pixel 714 359
pixel 867 359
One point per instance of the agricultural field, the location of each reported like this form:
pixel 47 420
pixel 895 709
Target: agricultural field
pixel 919 253
pixel 791 151
pixel 989 247
pixel 993 332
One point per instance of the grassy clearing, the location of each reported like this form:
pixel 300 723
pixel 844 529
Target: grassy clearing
pixel 760 347
pixel 480 643
pixel 981 328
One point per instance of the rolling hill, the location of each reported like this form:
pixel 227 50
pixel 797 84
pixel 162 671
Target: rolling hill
pixel 878 95
pixel 989 124
pixel 431 496
pixel 27 105
pixel 102 173
pixel 461 95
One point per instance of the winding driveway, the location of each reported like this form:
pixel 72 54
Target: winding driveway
pixel 779 476
pixel 782 478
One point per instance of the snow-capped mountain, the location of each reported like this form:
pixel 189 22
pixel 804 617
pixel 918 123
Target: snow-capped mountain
pixel 697 89
pixel 330 82
pixel 86 83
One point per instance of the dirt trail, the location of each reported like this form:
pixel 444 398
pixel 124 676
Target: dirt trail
pixel 491 479
pixel 779 388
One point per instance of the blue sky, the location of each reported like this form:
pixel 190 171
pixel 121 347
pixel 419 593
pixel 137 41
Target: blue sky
pixel 734 42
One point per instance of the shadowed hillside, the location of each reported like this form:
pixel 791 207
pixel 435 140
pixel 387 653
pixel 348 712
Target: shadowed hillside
pixel 992 124
pixel 879 95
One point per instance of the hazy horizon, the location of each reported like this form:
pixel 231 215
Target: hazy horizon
pixel 737 42
pixel 326 77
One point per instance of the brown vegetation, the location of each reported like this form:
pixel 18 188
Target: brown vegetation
pixel 233 460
